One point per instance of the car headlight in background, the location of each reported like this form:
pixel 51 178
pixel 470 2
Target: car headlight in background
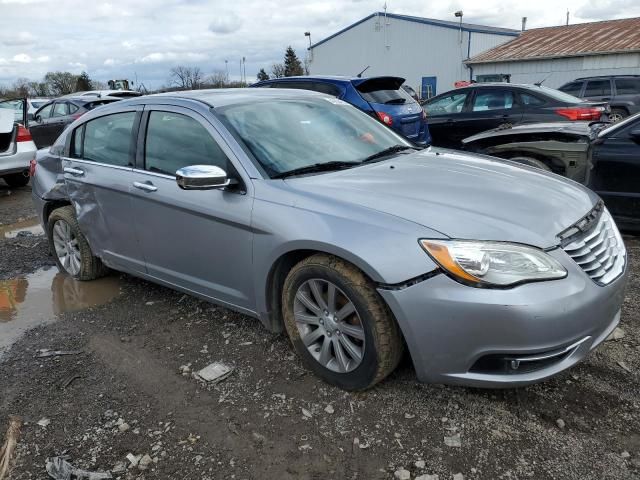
pixel 495 264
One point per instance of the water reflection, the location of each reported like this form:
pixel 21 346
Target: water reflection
pixel 39 297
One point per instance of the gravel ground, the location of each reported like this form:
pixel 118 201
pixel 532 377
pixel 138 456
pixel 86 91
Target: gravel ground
pixel 130 391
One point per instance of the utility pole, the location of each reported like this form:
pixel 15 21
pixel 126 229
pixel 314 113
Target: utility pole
pixel 226 66
pixel 567 16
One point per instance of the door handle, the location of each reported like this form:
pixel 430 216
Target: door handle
pixel 76 172
pixel 147 187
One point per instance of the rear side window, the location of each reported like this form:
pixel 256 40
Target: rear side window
pixel 174 141
pixel 573 88
pixel 73 108
pixel 627 86
pixel 493 100
pixel 531 100
pixel 598 88
pixel 108 139
pixel 326 88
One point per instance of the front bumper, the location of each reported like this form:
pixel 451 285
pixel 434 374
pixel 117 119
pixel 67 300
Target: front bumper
pixel 452 329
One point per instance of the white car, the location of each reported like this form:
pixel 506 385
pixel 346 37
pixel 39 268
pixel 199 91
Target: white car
pixel 16 150
pixel 106 93
pixel 33 104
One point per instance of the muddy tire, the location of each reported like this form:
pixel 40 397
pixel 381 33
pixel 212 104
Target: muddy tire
pixel 16 180
pixel 532 162
pixel 70 248
pixel 364 341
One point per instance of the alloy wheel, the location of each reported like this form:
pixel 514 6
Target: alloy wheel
pixel 66 246
pixel 329 325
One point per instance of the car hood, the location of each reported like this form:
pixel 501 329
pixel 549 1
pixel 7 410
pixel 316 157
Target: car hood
pixel 581 129
pixel 460 195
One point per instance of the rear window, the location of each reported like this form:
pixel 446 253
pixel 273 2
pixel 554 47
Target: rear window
pixel 556 94
pixel 398 96
pixel 627 86
pixel 92 105
pixel 125 94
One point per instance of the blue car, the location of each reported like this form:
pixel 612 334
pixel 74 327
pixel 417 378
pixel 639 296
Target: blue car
pixel 381 97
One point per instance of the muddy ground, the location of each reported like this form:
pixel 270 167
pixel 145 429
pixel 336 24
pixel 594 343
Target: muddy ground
pixel 129 392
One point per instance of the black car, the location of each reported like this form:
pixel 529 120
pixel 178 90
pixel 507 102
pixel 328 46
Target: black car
pixel 463 112
pixel 622 92
pixel 51 119
pixel 603 156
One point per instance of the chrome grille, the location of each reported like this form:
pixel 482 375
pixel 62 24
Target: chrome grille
pixel 599 251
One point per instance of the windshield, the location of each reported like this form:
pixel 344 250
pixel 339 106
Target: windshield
pixel 558 95
pixel 284 135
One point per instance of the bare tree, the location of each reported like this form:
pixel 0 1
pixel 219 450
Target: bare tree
pixel 21 87
pixel 217 79
pixel 39 89
pixel 60 83
pixel 186 78
pixel 277 69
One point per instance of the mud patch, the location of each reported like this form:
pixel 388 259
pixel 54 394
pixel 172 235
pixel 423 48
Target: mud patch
pixel 38 298
pixel 27 227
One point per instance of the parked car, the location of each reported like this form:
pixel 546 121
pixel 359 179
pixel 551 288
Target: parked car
pixel 16 105
pixel 381 97
pixel 17 149
pixel 622 92
pixel 603 156
pixel 105 93
pixel 463 112
pixel 51 119
pixel 300 210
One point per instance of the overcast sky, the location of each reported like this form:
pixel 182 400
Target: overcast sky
pixel 122 39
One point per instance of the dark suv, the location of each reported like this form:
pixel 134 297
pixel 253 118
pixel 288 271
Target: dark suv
pixel 622 92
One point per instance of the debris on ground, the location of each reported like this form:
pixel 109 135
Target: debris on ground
pixel 617 334
pixel 9 445
pixel 44 422
pixel 57 353
pixel 453 440
pixel 428 477
pixel 145 462
pixel 402 474
pixel 624 366
pixel 420 464
pixel 59 468
pixel 214 373
pixel 560 423
pixel 133 459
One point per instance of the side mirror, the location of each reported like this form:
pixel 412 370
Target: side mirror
pixel 38 119
pixel 202 177
pixel 635 134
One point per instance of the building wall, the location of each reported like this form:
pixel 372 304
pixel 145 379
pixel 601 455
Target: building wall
pixel 562 70
pixel 401 48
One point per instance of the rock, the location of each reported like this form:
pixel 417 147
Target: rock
pixel 123 427
pixel 428 477
pixel 625 454
pixel 329 409
pixel 119 467
pixel 560 423
pixel 617 334
pixel 453 440
pixel 444 419
pixel 258 438
pixel 144 462
pixel 409 416
pixel 44 422
pixel 625 366
pixel 306 413
pixel 458 476
pixel 133 459
pixel 420 464
pixel 402 474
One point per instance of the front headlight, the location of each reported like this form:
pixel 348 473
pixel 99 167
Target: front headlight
pixel 495 264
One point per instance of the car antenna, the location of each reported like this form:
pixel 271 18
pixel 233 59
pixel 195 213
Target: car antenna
pixel 365 69
pixel 539 84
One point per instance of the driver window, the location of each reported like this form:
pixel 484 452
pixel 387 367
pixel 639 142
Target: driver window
pixel 45 112
pixel 175 140
pixel 446 105
pixel 60 109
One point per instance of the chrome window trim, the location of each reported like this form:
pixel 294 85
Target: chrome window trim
pixel 100 164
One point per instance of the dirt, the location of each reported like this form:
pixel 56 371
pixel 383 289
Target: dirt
pixel 131 391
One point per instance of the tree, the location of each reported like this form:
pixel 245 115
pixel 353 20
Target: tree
pixel 39 89
pixel 21 87
pixel 83 83
pixel 60 83
pixel 292 65
pixel 186 78
pixel 217 79
pixel 277 70
pixel 262 75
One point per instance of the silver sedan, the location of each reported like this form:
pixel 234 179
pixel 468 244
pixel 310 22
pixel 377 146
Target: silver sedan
pixel 298 209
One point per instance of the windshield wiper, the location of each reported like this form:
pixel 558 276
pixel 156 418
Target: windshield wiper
pixel 316 167
pixel 389 151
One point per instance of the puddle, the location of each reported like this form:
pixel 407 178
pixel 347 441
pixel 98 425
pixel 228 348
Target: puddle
pixel 38 298
pixel 31 225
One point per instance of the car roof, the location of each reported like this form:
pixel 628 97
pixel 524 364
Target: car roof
pixel 220 97
pixel 604 77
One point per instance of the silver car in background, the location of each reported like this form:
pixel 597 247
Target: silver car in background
pixel 17 149
pixel 298 209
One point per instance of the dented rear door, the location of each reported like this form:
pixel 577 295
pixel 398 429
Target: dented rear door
pixel 98 173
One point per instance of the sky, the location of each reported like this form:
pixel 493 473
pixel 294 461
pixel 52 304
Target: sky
pixel 143 39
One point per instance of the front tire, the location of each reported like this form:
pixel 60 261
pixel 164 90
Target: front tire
pixel 71 250
pixel 16 180
pixel 338 323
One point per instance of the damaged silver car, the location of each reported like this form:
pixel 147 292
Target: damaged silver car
pixel 297 209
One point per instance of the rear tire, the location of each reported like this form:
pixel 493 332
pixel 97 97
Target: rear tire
pixel 532 162
pixel 370 327
pixel 16 180
pixel 70 248
pixel 617 114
